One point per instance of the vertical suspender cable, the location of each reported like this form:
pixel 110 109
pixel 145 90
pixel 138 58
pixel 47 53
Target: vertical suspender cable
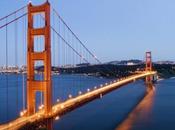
pixel 71 53
pixel 64 92
pixel 7 67
pixel 16 58
pixel 60 58
pixel 80 64
pixel 24 65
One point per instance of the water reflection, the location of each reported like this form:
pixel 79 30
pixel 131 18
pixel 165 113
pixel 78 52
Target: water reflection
pixel 141 111
pixel 49 124
pixel 46 124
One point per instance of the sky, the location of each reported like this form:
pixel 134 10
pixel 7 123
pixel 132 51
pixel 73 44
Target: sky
pixel 116 29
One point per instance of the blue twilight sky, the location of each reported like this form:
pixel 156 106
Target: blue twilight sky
pixel 117 29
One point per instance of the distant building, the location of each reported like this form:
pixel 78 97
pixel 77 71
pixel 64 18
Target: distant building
pixel 126 62
pixel 130 63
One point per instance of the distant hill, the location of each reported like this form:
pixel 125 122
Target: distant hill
pixel 165 69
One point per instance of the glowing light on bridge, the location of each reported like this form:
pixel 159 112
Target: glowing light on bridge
pixel 70 96
pixel 57 118
pixel 88 90
pixel 22 113
pixel 62 106
pixel 79 92
pixel 41 107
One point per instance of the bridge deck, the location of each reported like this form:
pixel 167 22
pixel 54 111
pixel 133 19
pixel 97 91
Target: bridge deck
pixel 70 104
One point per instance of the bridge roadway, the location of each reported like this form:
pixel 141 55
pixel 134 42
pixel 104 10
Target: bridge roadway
pixel 64 107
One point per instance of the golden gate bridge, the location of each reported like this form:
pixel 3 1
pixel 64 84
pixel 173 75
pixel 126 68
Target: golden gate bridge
pixel 36 40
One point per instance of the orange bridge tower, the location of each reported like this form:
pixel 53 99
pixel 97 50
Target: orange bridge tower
pixel 45 85
pixel 148 66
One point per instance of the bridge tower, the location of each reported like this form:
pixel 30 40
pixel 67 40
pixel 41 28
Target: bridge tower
pixel 148 61
pixel 148 66
pixel 44 85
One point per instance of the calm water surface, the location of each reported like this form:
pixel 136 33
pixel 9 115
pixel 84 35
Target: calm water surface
pixel 12 91
pixel 128 108
pixel 155 111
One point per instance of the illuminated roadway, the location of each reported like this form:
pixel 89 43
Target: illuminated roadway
pixel 64 107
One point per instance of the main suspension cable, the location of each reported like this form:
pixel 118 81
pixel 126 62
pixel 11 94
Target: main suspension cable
pixel 13 13
pixel 7 23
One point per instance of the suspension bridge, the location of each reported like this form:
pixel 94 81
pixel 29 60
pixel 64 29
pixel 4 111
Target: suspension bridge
pixel 37 48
